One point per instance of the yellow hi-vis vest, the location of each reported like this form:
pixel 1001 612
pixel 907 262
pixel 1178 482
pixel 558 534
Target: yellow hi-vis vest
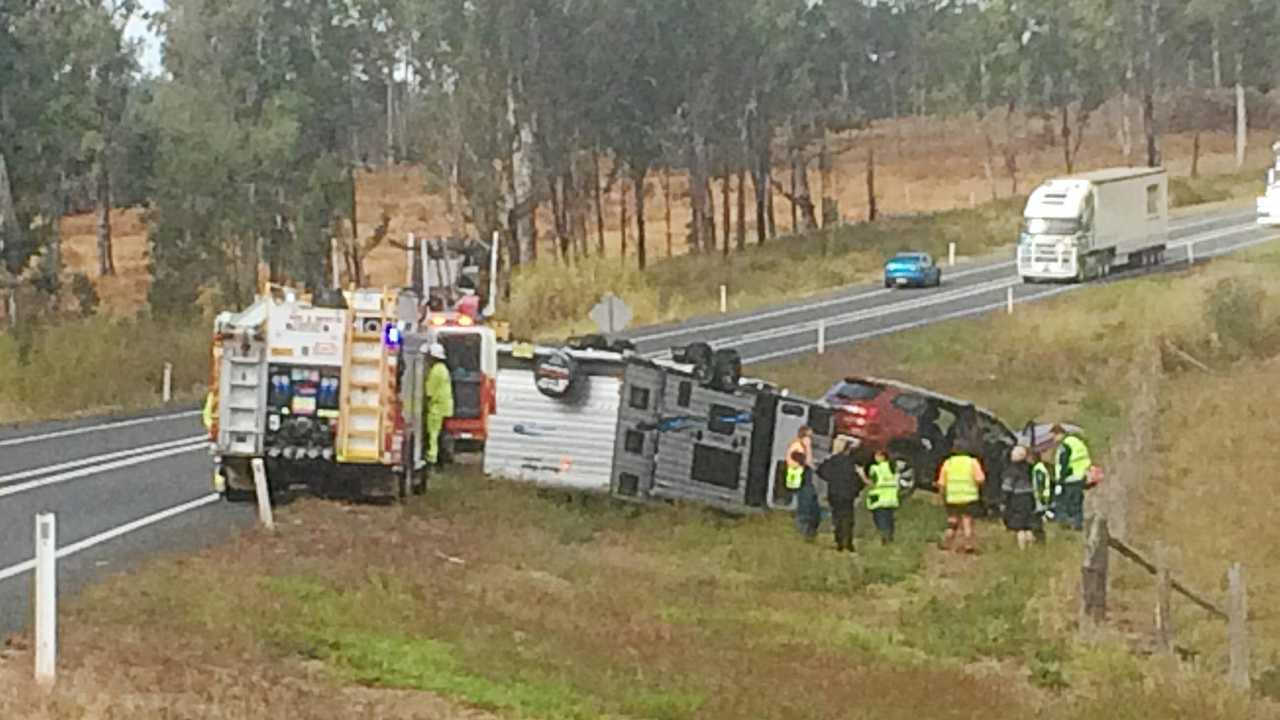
pixel 1042 482
pixel 962 481
pixel 884 487
pixel 1080 460
pixel 795 470
pixel 206 414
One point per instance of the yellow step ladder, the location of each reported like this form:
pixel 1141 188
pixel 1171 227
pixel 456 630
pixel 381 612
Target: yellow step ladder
pixel 368 377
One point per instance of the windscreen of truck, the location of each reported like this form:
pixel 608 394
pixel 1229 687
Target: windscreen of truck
pixel 1051 226
pixel 463 350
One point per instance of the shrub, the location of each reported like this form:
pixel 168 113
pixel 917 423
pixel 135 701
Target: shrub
pixel 1233 309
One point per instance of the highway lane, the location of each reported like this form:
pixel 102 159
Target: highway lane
pixel 103 475
pixel 718 329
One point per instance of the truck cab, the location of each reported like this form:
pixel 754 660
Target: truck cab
pixel 1077 228
pixel 1269 203
pixel 472 352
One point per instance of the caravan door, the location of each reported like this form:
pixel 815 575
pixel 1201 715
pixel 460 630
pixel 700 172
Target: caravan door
pixel 790 417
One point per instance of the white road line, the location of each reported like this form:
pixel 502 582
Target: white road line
pixel 96 459
pixel 25 439
pixel 99 469
pixel 114 533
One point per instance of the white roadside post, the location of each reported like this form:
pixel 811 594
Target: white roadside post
pixel 264 496
pixel 724 299
pixel 166 392
pixel 822 336
pixel 951 254
pixel 46 609
pixel 1191 253
pixel 410 260
pixel 1009 301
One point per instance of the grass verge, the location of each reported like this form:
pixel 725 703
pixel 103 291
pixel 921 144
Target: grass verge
pixel 98 364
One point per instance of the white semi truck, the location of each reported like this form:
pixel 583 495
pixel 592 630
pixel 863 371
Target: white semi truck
pixel 1079 227
pixel 1269 203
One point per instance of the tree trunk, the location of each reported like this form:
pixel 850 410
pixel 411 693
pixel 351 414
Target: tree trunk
pixel 794 191
pixel 599 200
pixel 741 237
pixel 1066 137
pixel 102 192
pixel 623 219
pixel 803 195
pixel 1126 130
pixel 710 237
pixel 871 185
pixel 726 204
pixel 556 186
pixel 698 194
pixel 390 155
pixel 10 233
pixel 666 207
pixel 1242 114
pixel 1195 155
pixel 763 185
pixel 522 177
pixel 639 182
pixel 772 218
pixel 830 211
pixel 1216 55
pixel 1151 11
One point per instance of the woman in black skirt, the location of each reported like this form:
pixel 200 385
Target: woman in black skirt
pixel 1020 498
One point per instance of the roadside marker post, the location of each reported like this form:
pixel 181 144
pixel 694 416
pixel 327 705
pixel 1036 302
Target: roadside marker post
pixel 46 605
pixel 822 337
pixel 724 299
pixel 951 254
pixel 264 496
pixel 1191 253
pixel 1009 301
pixel 411 252
pixel 166 393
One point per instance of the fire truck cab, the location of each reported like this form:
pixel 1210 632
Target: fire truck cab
pixel 471 350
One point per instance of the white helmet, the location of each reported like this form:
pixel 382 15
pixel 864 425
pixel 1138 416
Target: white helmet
pixel 436 351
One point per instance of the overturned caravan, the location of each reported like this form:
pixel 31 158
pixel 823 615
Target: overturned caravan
pixel 641 430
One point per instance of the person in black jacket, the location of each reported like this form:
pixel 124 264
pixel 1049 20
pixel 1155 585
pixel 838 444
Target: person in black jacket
pixel 845 474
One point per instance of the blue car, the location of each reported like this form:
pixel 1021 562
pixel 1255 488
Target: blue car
pixel 912 268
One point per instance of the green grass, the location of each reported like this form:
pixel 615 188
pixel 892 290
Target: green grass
pixel 98 364
pixel 1186 192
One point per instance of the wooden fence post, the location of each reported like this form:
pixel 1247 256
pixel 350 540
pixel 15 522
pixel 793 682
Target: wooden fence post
pixel 1237 629
pixel 1164 600
pixel 1094 574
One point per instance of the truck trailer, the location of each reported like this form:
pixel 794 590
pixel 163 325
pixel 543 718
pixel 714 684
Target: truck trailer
pixel 1079 227
pixel 1269 202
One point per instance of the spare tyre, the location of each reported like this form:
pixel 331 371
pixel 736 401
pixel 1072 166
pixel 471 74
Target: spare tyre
pixel 726 370
pixel 557 376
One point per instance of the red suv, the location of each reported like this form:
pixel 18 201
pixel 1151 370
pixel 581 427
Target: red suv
pixel 919 428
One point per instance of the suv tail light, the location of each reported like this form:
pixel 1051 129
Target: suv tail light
pixel 862 414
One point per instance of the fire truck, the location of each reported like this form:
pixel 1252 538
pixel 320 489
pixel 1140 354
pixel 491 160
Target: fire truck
pixel 472 351
pixel 327 391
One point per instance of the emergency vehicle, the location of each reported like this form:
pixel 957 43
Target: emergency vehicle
pixel 472 351
pixel 327 391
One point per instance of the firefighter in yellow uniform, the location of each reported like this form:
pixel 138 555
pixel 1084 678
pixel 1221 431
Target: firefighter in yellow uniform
pixel 882 498
pixel 208 414
pixel 439 400
pixel 959 480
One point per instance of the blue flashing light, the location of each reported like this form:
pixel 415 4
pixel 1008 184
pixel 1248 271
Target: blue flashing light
pixel 391 335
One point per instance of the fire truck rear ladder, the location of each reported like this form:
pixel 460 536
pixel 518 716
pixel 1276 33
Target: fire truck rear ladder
pixel 367 375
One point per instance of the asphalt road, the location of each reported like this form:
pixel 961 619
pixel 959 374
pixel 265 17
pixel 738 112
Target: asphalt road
pixel 127 488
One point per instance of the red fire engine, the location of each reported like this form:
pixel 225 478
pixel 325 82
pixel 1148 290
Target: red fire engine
pixel 472 352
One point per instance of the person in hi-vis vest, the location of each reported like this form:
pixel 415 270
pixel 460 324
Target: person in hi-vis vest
pixel 799 483
pixel 960 482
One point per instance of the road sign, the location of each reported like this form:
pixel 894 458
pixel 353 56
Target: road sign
pixel 611 314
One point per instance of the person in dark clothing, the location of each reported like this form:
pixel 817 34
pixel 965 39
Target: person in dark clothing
pixel 1020 515
pixel 845 476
